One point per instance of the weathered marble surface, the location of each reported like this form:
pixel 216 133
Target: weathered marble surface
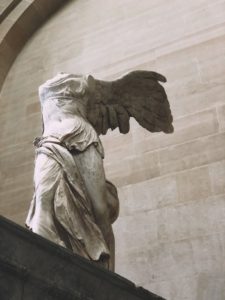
pixel 73 203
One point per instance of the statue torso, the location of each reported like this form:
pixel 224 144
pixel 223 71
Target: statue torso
pixel 64 100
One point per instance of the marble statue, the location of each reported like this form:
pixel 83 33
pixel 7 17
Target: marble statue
pixel 74 205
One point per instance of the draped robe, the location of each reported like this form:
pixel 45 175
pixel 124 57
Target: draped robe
pixel 61 209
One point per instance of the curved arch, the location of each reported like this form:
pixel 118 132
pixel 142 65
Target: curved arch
pixel 15 32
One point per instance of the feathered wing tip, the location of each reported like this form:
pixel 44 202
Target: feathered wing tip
pixel 137 94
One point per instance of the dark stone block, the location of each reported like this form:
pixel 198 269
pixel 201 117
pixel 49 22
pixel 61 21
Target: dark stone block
pixel 11 285
pixel 33 268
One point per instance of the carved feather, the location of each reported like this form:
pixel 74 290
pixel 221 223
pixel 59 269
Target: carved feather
pixel 138 94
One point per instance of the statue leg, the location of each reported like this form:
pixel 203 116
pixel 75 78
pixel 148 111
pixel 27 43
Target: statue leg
pixel 90 165
pixel 46 175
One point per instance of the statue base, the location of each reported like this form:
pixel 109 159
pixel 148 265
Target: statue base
pixel 33 268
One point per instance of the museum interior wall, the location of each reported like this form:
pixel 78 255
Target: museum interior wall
pixel 170 235
pixel 19 19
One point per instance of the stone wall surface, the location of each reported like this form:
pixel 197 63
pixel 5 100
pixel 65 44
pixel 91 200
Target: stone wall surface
pixel 170 236
pixel 19 19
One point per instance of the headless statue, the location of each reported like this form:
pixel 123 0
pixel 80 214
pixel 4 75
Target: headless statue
pixel 73 203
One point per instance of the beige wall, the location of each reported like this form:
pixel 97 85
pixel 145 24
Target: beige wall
pixel 171 231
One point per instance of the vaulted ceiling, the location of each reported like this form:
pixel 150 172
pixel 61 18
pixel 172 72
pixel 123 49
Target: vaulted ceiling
pixel 18 21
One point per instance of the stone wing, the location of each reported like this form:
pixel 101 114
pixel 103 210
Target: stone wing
pixel 137 94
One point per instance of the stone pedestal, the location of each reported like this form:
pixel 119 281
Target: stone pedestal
pixel 33 268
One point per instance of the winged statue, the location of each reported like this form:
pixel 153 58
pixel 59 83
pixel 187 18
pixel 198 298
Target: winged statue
pixel 74 205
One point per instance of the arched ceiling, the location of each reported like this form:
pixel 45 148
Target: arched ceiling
pixel 19 19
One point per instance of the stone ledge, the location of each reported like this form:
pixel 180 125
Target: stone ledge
pixel 33 268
